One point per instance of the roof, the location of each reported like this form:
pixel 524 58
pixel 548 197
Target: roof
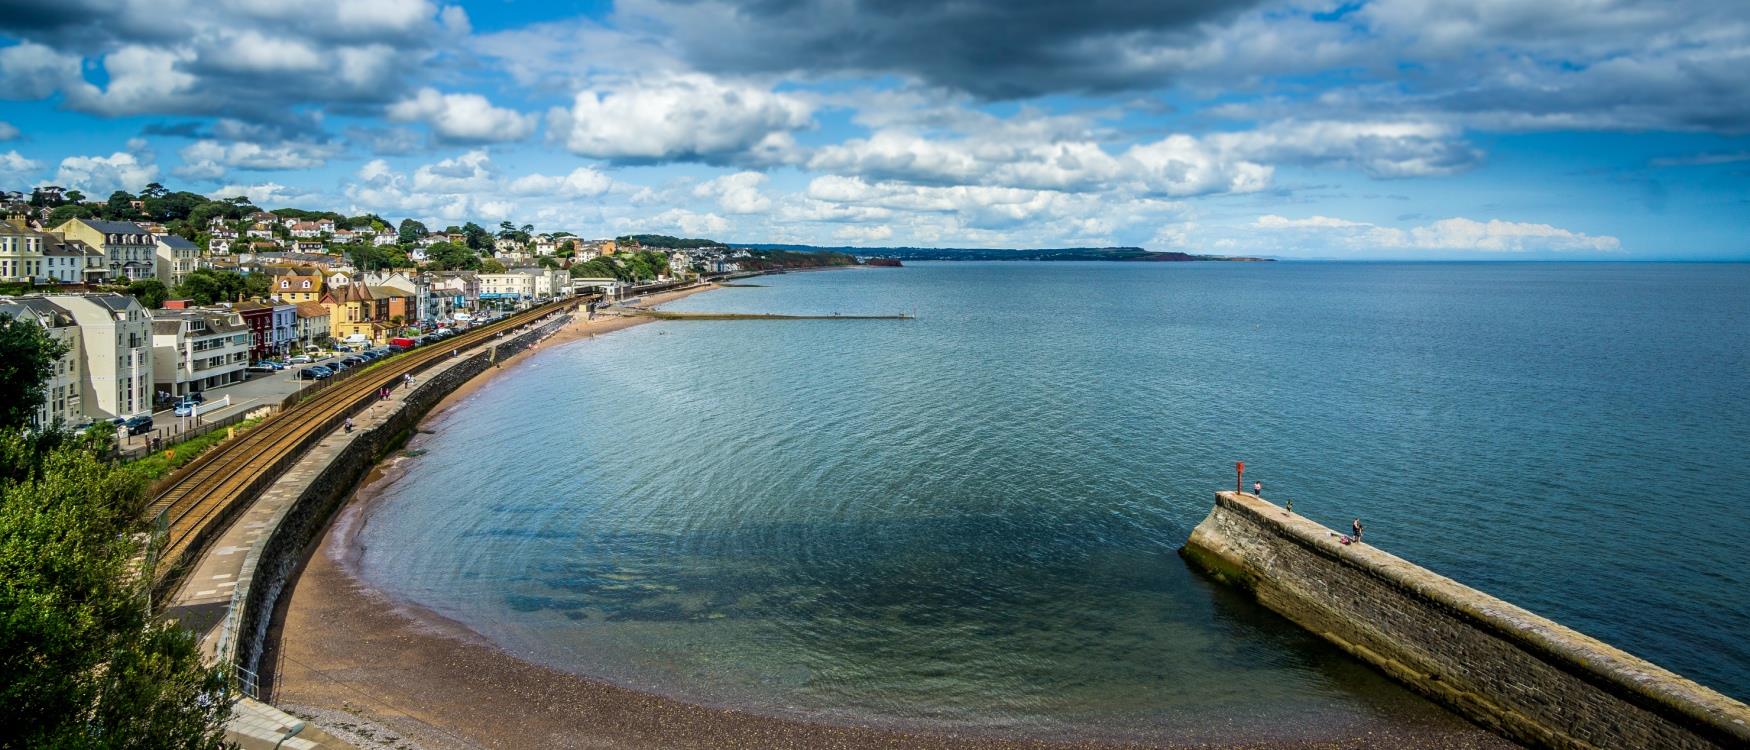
pixel 343 293
pixel 312 310
pixel 380 292
pixel 176 242
pixel 38 305
pixel 114 227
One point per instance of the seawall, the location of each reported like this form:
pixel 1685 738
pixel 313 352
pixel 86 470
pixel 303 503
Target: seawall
pixel 316 486
pixel 1524 676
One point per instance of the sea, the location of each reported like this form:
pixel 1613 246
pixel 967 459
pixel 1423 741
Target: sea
pixel 968 520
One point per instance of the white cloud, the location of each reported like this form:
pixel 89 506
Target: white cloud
pixel 864 233
pixel 681 118
pixel 265 193
pixel 14 168
pixel 463 118
pixel 1454 234
pixel 209 159
pixel 736 193
pixel 581 182
pixel 471 172
pixel 7 131
pixel 98 176
pixel 32 71
pixel 688 222
pixel 1405 148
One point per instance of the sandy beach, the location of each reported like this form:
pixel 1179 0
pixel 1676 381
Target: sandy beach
pixel 387 674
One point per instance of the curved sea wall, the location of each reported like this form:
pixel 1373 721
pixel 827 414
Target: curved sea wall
pixel 1524 676
pixel 318 484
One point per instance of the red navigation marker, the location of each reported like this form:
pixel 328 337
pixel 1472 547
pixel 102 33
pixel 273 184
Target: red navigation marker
pixel 1239 476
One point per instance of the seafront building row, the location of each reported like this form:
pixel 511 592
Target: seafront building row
pixel 123 359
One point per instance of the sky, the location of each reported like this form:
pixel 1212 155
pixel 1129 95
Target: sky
pixel 1391 129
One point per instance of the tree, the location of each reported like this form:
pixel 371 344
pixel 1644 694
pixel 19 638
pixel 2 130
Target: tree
pixel 27 360
pixel 150 292
pixel 154 190
pixel 410 231
pixel 491 265
pixel 206 286
pixel 120 206
pixel 451 257
pixel 548 261
pixel 63 214
pixel 85 663
pixel 74 196
pixel 257 285
pixel 476 236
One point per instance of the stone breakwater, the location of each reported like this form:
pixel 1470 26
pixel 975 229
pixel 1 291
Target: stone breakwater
pixel 1524 676
pixel 320 483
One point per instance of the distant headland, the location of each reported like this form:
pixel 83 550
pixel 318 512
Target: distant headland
pixel 1127 253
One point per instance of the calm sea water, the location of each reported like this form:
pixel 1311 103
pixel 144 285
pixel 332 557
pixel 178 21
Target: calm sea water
pixel 969 520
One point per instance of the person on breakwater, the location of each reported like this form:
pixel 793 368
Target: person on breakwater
pixel 1258 489
pixel 1356 527
pixel 1288 509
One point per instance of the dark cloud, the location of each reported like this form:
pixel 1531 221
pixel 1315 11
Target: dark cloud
pixel 253 61
pixel 996 49
pixel 175 129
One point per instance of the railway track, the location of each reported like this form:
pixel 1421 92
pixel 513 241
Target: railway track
pixel 202 497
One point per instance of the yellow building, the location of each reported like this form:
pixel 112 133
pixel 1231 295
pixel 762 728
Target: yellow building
pixel 355 315
pixel 296 288
pixel 131 251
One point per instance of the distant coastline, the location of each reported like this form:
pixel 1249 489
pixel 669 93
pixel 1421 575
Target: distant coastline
pixel 1127 254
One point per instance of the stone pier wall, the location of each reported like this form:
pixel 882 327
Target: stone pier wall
pixel 322 481
pixel 1524 676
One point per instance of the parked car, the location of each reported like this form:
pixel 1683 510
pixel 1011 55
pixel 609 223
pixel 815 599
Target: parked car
pixel 403 342
pixel 196 396
pixel 136 425
pixel 301 359
pixel 185 407
pixel 354 361
pixel 261 367
pixel 397 348
pixel 315 372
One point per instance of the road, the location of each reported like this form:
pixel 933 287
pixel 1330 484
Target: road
pixel 262 388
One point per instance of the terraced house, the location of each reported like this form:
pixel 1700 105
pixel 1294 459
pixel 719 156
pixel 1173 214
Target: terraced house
pixel 130 250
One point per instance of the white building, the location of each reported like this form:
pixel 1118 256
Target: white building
pixel 115 353
pixel 176 259
pixel 21 255
pixel 197 349
pixel 61 393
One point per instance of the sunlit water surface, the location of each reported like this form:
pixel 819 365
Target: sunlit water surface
pixel 969 520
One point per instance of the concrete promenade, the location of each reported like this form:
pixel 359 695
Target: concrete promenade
pixel 219 596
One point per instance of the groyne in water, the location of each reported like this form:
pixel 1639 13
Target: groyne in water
pixel 673 315
pixel 1529 678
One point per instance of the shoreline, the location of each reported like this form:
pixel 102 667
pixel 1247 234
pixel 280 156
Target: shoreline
pixel 388 673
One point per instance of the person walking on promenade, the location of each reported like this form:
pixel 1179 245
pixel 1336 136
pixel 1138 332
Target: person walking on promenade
pixel 349 425
pixel 1356 527
pixel 1258 489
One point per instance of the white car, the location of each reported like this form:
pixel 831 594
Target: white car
pixel 301 359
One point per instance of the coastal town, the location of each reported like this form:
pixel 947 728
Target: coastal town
pixel 165 301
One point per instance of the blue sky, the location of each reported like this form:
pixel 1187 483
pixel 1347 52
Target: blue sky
pixel 1495 129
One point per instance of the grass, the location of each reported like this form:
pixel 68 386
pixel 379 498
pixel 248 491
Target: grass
pixel 158 464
